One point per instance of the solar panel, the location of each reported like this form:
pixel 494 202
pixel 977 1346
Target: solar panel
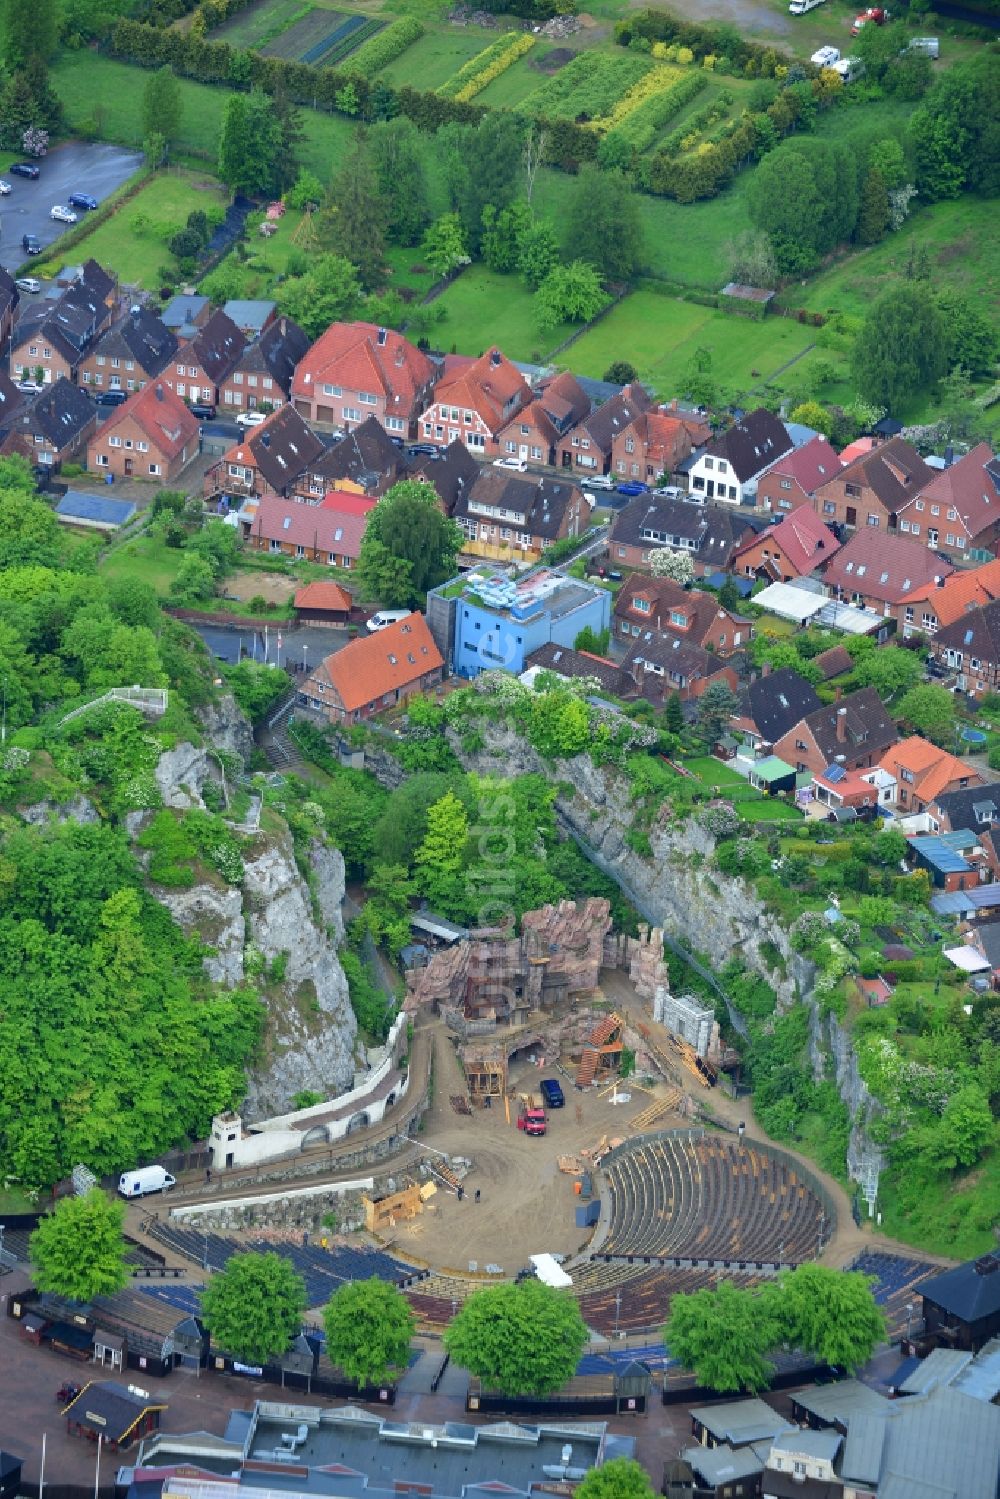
pixel 834 773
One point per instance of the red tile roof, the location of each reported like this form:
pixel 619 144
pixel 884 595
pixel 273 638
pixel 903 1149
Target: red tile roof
pixel 345 502
pixel 811 465
pixel 350 356
pixel 967 488
pixel 309 526
pixel 959 593
pixel 161 414
pixel 322 595
pixel 802 537
pixel 364 671
pixel 856 448
pixel 883 566
pixel 485 386
pixel 931 768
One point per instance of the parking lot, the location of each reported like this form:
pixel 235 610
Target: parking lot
pixel 75 168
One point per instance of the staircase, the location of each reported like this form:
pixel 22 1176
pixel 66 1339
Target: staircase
pixel 587 1069
pixel 151 700
pixel 279 745
pixel 444 1174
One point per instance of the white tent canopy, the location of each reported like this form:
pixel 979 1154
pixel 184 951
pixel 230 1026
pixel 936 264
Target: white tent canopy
pixel 549 1272
pixel 789 602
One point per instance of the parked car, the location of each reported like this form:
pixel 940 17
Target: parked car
pixel 551 1091
pixel 632 487
pixel 421 450
pixel 825 57
pixel 248 419
pixel 111 397
pixel 203 411
pixel 29 387
pixel 28 284
pixel 82 200
pixel 386 617
pixel 875 15
pixel 598 481
pixel 25 169
pixel 62 214
pixel 5 188
pixel 30 244
pixel 518 465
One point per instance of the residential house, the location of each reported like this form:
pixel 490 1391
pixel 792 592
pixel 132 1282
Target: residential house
pixel 273 459
pixel 201 366
pixel 801 1465
pixel 666 664
pixel 875 488
pixel 356 370
pixel 566 662
pixel 185 314
pixel 656 442
pixel 708 533
pixel 488 621
pixel 944 600
pixel 10 399
pixel 314 532
pixel 364 461
pixel 152 436
pixel 730 467
pixel 322 603
pixel 129 354
pixel 473 402
pixel 771 705
pixel 9 299
pixel 721 1472
pixel 53 337
pixel 976 807
pixel 854 732
pixel 534 433
pixel 661 606
pixel 951 861
pixel 51 427
pixel 588 447
pixel 509 517
pixel 842 795
pixel 970 649
pixel 250 315
pixel 794 548
pixel 794 479
pixel 958 511
pixel 374 672
pixel 450 473
pixel 923 772
pixel 877 569
pixel 262 375
pixel 835 662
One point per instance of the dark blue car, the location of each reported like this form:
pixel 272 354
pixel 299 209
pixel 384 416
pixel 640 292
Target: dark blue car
pixel 632 488
pixel 82 200
pixel 552 1093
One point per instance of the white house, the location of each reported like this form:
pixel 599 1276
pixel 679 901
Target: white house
pixel 731 465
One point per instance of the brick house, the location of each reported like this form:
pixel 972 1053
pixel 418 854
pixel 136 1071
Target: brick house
pixel 731 466
pixel 9 299
pixel 794 479
pixel 942 601
pixel 875 488
pixel 923 772
pixel 970 649
pixel 876 569
pixel 535 432
pixel 51 427
pixel 270 459
pixel 958 512
pixel 564 661
pixel 129 354
pixel 771 705
pixel 364 461
pixel 662 607
pixel 509 517
pixel 708 533
pixel 356 370
pixel 474 400
pixel 374 672
pixel 794 548
pixel 201 366
pixel 263 373
pixel 662 665
pixel 330 534
pixel 450 473
pixel 854 732
pixel 152 436
pixel 10 400
pixel 656 442
pixel 588 446
pixel 54 337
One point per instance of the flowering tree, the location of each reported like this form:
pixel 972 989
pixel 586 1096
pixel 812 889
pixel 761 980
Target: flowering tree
pixel 35 142
pixel 665 563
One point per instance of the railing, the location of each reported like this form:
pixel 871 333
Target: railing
pixel 151 700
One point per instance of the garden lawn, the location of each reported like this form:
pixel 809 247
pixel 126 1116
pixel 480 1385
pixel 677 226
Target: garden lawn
pixel 408 271
pixel 145 559
pixel 661 334
pixel 483 308
pixel 137 253
pixel 768 810
pixel 712 772
pixel 519 80
pixel 438 54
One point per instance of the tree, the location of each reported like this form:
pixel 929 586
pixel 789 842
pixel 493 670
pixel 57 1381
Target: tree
pixel 722 1336
pixel 503 230
pixel 673 713
pixel 873 215
pixel 812 414
pixel 307 189
pixel 408 545
pixel 355 217
pixel 162 107
pixel 697 380
pixel 441 854
pixel 618 1478
pixel 967 1126
pixel 291 134
pixel 368 1325
pixel 954 132
pixel 972 336
pixel 30 30
pixel 589 640
pixel 603 225
pixel 195 580
pixel 523 1339
pixel 78 1250
pixel 481 165
pixel 666 563
pixel 889 671
pixel 829 1313
pixel 397 159
pixel 930 711
pixel 900 349
pixel 249 144
pixel 254 1307
pixel 329 292
pixel 620 372
pixel 257 688
pixel 443 245
pixel 716 707
pixel 537 252
pixel 570 294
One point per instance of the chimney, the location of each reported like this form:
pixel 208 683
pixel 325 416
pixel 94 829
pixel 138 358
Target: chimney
pixel 938 581
pixel 495 358
pixel 283 326
pixel 673 404
pixel 836 694
pixel 381 338
pixel 841 725
pixel 766 669
pixel 159 392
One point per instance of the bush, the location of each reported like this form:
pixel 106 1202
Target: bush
pixel 384 48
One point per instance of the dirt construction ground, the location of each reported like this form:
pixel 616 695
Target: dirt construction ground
pixel 528 1206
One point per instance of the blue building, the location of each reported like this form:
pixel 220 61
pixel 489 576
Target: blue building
pixel 487 621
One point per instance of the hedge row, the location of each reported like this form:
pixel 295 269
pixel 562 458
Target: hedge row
pixel 387 46
pixel 704 40
pixel 480 71
pixel 638 130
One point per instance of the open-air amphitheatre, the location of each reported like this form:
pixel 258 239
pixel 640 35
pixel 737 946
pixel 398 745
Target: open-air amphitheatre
pixel 635 1196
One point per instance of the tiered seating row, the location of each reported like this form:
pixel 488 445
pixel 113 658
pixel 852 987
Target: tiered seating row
pixel 645 1301
pixel 898 1280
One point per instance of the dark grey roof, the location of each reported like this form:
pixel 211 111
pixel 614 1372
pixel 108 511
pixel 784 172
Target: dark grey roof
pixel 988 938
pixel 777 702
pixel 111 1408
pixel 450 471
pixel 752 444
pixel 76 504
pixel 972 807
pixel 218 346
pixel 248 312
pixel 276 353
pixel 668 656
pixel 869 728
pixel 366 451
pixel 141 336
pixel 894 471
pixel 740 1421
pixel 9 294
pixel 536 506
pixel 942 1445
pixel 975 633
pixel 284 448
pixel 972 1291
pixel 181 311
pixel 607 421
pixel 10 397
pixel 570 663
pixel 58 413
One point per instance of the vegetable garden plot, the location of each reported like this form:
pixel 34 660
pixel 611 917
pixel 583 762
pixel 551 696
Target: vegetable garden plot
pixel 588 88
pixel 322 35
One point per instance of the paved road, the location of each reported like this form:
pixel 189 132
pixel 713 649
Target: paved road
pixel 95 169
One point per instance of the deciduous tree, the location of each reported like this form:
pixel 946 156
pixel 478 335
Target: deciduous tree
pixel 521 1339
pixel 441 854
pixel 829 1313
pixel 619 1478
pixel 369 1325
pixel 30 30
pixel 254 1307
pixel 443 246
pixel 930 710
pixel 889 671
pixel 901 348
pixel 603 225
pixel 570 294
pixel 162 106
pixel 78 1250
pixel 329 292
pixel 408 545
pixel 667 563
pixel 249 144
pixel 397 156
pixel 723 1337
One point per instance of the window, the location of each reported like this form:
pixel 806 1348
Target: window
pixel 395 424
pixel 935 510
pixel 267 383
pixel 238 378
pixel 536 454
pixel 709 463
pixel 904 525
pixel 102 460
pixel 87 377
pixel 365 397
pixel 678 618
pixel 154 468
pixel 784 483
pixel 915 529
pixel 116 364
pixel 115 442
pixel 274 546
pixel 630 448
pixel 854 490
pixel 467 418
pixel 33 349
pixel 128 442
pixel 351 414
pixel 332 390
pixel 100 358
pixel 960 542
pixel 909 615
pixel 950 539
pixel 829 508
pixel 191 370
pixel 873 521
pixel 723 466
pixel 130 364
pixel 181 390
pixel 919 505
pixel 300 551
pixel 142 447
pixel 932 536
pixel 641 606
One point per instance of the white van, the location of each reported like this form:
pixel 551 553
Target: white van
pixel 850 68
pixel 800 7
pixel 386 617
pixel 141 1183
pixel 825 57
